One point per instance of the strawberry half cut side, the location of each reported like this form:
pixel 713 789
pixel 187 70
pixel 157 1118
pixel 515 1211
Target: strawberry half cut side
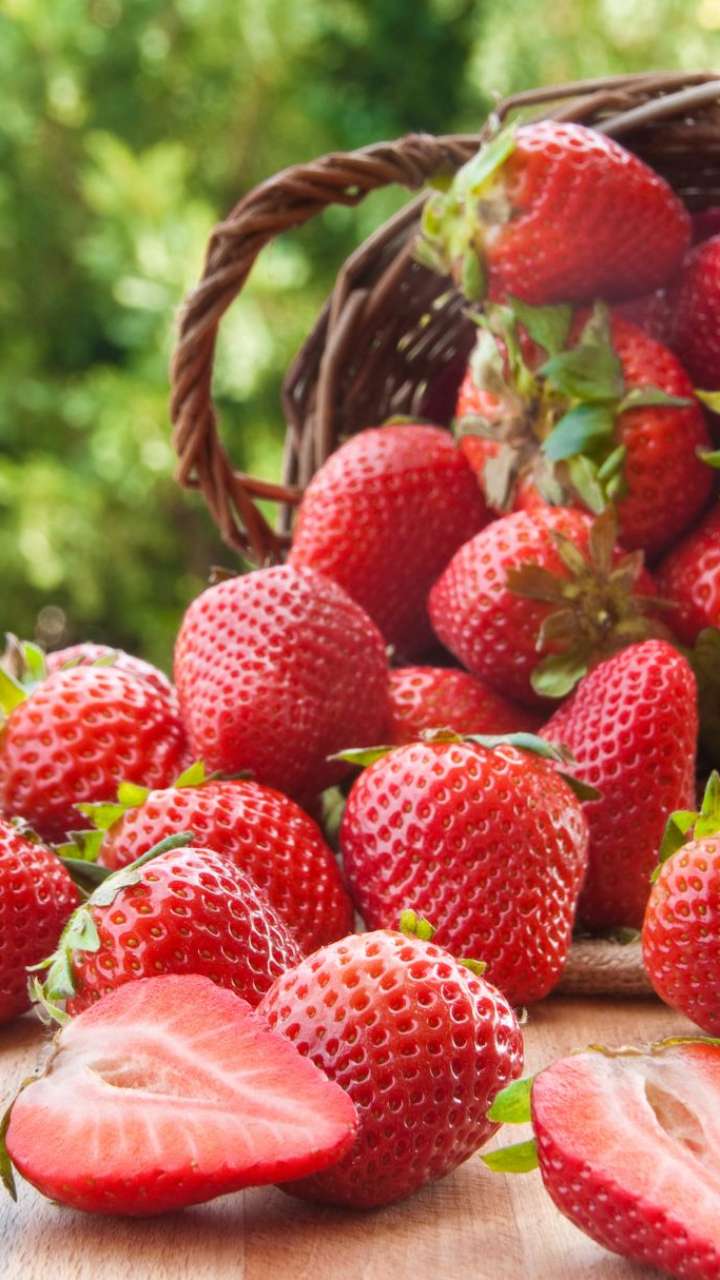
pixel 627 1144
pixel 168 1092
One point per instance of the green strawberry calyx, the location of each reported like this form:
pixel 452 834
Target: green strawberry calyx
pixel 531 742
pixel 555 424
pixel 597 609
pixel 462 212
pixel 23 661
pixel 80 933
pixel 512 1105
pixel 415 926
pixel 687 824
pixel 22 667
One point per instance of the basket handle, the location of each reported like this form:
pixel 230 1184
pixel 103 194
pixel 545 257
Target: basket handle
pixel 287 200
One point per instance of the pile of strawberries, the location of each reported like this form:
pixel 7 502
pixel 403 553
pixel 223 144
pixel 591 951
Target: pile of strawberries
pixel 510 632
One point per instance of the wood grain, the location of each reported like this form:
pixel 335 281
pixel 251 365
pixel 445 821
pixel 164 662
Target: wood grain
pixel 473 1225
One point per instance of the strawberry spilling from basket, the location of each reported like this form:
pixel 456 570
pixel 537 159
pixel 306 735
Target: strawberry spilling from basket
pixel 181 866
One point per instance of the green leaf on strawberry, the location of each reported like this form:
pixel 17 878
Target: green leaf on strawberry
pixel 12 693
pixel 7 1176
pixel 711 399
pixel 102 815
pixel 598 610
pixel 194 776
pixel 362 756
pixel 685 824
pixel 589 373
pixel 415 926
pixel 711 458
pixel 475 175
pixel 584 476
pixel 448 240
pixel 580 429
pixel 522 1157
pixel 641 397
pixel 82 846
pixel 24 661
pixel 512 1104
pixel 549 327
pixel 561 416
pixel 558 673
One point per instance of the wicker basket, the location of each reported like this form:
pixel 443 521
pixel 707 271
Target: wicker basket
pixel 393 338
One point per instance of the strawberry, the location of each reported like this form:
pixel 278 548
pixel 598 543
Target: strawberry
pixel 417 1040
pixel 76 735
pixel 441 698
pixel 534 599
pixel 277 670
pixel 631 727
pixel 555 212
pixel 383 516
pixel 36 898
pixel 625 1140
pixel 261 831
pixel 689 577
pixel 175 910
pixel 697 320
pixel 489 843
pixel 87 654
pixel 166 1093
pixel 585 410
pixel 681 929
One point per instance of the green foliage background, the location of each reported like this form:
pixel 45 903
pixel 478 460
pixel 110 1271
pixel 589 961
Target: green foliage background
pixel 127 128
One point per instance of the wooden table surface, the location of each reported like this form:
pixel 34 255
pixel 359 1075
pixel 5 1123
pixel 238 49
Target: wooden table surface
pixel 473 1225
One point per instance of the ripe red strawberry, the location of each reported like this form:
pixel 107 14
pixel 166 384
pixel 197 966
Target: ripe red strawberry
pixel 622 1148
pixel 36 898
pixel 697 322
pixel 183 911
pixel 277 670
pixel 169 1092
pixel 76 735
pixel 625 1140
pixel 383 516
pixel 261 831
pixel 591 410
pixel 555 212
pixel 418 1042
pixel 689 577
pixel 424 698
pixel 548 588
pixel 631 726
pixel 681 930
pixel 87 653
pixel 489 844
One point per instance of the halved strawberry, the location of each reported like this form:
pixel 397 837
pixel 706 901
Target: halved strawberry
pixel 627 1144
pixel 168 1092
